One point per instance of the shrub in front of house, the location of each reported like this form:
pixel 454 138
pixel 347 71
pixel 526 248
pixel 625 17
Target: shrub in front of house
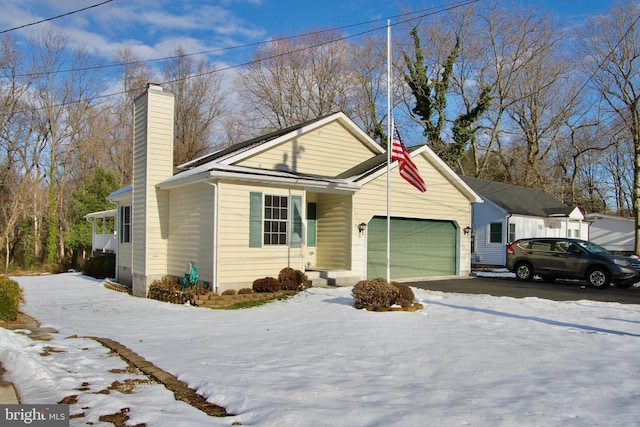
pixel 169 289
pixel 245 291
pixel 10 298
pixel 229 292
pixel 380 295
pixel 406 295
pixel 291 279
pixel 266 284
pixel 376 294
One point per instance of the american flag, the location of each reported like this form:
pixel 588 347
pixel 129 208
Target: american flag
pixel 408 169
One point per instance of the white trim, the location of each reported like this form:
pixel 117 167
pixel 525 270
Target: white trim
pixel 440 166
pixel 102 214
pixel 339 116
pixel 252 175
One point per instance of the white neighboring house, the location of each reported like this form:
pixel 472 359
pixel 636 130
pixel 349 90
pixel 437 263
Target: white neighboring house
pixel 512 212
pixel 613 232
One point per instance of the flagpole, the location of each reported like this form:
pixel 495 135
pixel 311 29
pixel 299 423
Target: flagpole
pixel 389 136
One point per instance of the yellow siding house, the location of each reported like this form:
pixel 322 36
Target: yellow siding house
pixel 312 197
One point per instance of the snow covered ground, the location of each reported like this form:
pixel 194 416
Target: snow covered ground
pixel 314 360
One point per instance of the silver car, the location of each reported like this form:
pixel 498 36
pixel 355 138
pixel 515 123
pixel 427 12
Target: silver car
pixel 558 258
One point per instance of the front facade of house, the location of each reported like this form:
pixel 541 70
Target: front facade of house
pixel 312 197
pixel 513 212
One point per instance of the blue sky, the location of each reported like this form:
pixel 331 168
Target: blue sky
pixel 153 28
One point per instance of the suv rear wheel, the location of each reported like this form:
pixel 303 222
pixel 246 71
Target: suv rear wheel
pixel 524 271
pixel 598 277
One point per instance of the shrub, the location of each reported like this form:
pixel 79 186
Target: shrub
pixel 169 289
pixel 245 291
pixel 376 293
pixel 291 280
pixel 10 297
pixel 406 295
pixel 100 267
pixel 229 292
pixel 266 284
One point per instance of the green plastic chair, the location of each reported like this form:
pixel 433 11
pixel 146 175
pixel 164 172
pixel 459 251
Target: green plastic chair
pixel 190 276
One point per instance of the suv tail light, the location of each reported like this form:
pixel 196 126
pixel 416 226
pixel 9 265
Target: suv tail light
pixel 509 249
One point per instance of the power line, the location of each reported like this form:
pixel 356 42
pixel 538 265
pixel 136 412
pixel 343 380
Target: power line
pixel 55 17
pixel 423 12
pixel 601 64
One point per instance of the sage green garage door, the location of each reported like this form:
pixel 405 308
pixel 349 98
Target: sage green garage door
pixel 419 248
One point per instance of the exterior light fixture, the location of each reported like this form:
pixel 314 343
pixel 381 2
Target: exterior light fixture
pixel 361 227
pixel 467 230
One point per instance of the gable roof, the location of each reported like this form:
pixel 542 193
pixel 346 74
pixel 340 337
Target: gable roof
pixel 519 200
pixel 223 164
pixel 376 166
pixel 244 149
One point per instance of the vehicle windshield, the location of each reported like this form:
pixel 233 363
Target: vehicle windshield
pixel 592 247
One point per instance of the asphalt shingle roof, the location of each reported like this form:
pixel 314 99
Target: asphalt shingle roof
pixel 518 200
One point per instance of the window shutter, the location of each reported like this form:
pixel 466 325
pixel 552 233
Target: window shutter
pixel 255 220
pixel 296 218
pixel 311 224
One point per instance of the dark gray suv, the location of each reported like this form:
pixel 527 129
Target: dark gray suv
pixel 557 258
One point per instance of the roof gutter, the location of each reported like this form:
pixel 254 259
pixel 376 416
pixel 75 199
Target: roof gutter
pixel 209 176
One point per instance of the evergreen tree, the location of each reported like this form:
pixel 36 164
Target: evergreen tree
pixel 90 197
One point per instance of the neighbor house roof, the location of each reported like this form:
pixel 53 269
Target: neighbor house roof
pixel 519 200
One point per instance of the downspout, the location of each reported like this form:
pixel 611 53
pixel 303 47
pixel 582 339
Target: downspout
pixel 116 229
pixel 214 243
pixel 504 253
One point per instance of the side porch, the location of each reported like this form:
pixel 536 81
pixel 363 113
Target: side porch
pixel 104 239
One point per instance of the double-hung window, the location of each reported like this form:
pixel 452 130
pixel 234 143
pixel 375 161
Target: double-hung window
pixel 495 232
pixel 275 220
pixel 125 224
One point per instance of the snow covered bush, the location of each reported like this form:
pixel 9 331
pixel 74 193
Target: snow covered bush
pixel 266 284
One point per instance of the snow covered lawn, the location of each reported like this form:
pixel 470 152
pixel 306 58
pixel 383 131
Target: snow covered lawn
pixel 314 360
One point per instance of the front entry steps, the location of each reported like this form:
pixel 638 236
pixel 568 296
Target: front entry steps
pixel 330 278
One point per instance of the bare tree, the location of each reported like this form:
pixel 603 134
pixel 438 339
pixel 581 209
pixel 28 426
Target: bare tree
pixel 611 49
pixel 511 45
pixel 117 131
pixel 20 154
pixel 199 104
pixel 65 84
pixel 294 80
pixel 369 97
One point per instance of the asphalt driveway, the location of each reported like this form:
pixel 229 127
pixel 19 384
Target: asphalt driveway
pixel 510 287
